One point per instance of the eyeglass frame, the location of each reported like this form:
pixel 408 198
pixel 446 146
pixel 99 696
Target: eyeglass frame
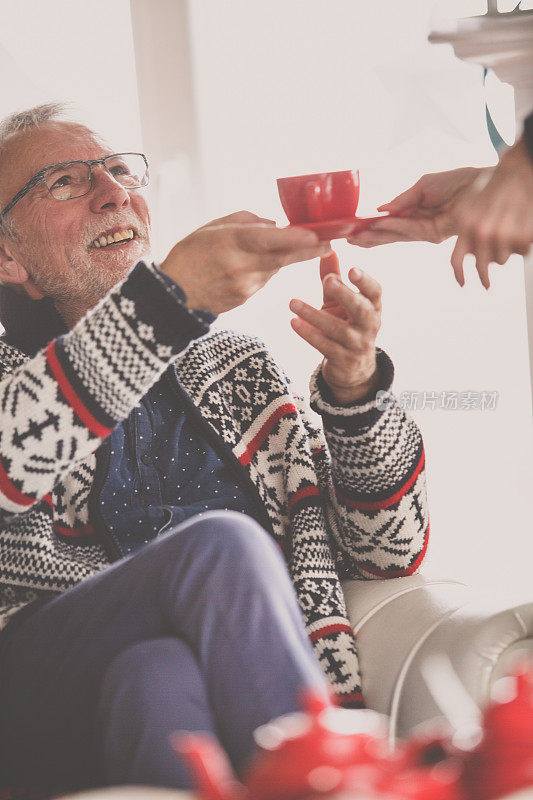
pixel 38 177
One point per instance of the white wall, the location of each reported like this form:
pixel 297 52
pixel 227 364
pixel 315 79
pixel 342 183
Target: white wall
pixel 75 51
pixel 296 86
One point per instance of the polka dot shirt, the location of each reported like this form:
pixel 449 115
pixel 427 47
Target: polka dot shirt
pixel 162 472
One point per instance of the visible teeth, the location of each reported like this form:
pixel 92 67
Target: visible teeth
pixel 112 238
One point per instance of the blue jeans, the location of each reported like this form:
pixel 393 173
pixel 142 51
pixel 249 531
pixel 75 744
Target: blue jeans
pixel 198 631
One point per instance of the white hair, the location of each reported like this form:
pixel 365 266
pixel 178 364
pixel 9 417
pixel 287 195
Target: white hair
pixel 78 281
pixel 21 121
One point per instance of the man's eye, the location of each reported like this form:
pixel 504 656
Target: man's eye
pixel 119 169
pixel 64 180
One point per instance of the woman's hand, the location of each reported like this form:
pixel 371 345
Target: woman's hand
pixel 423 213
pixel 496 220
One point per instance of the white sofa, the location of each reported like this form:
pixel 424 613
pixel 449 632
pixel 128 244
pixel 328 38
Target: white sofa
pixel 399 623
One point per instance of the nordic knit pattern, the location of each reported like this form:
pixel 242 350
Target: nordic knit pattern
pixel 352 501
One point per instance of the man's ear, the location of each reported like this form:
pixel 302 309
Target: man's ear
pixel 10 270
pixel 13 272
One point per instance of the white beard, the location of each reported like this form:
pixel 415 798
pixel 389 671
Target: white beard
pixel 82 283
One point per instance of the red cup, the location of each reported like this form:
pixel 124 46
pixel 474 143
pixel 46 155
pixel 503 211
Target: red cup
pixel 321 197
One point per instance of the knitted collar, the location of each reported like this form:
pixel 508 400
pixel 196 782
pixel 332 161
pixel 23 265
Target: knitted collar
pixel 29 324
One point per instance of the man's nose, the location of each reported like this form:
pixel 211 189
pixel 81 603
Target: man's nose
pixel 107 194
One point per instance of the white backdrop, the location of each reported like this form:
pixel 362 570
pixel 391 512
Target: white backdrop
pixel 297 86
pixel 308 85
pixel 74 51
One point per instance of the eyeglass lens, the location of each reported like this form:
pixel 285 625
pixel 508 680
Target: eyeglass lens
pixel 74 179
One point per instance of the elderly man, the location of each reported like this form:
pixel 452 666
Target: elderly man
pixel 153 473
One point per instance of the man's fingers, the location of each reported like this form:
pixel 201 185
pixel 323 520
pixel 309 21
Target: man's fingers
pixel 270 239
pixel 265 221
pixel 331 326
pixel 326 346
pixel 329 265
pixel 305 254
pixel 241 218
pixel 359 308
pixel 367 285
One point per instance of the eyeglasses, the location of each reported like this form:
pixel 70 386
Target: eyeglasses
pixel 70 179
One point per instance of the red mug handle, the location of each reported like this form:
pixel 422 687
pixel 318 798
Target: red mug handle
pixel 313 201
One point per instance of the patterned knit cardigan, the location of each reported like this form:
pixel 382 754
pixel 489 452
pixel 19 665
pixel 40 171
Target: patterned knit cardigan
pixel 352 503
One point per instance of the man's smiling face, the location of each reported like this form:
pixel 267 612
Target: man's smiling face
pixel 56 240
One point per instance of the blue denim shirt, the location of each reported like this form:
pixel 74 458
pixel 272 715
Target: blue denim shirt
pixel 162 470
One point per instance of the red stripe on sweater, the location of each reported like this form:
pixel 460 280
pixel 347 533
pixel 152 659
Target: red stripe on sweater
pixel 306 491
pixel 81 532
pixel 366 505
pixel 399 573
pixel 338 627
pixel 72 398
pixel 9 490
pixel 255 444
pixel 351 697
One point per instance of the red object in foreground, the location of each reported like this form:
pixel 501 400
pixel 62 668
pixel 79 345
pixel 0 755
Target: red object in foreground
pixel 502 763
pixel 339 754
pixel 324 751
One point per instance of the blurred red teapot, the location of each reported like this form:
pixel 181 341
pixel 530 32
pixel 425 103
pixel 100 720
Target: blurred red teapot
pixel 325 751
pixel 502 763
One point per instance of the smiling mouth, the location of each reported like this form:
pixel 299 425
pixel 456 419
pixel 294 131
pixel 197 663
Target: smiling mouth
pixel 120 237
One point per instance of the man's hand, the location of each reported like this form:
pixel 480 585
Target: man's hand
pixel 496 220
pixel 222 264
pixel 344 330
pixel 423 213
